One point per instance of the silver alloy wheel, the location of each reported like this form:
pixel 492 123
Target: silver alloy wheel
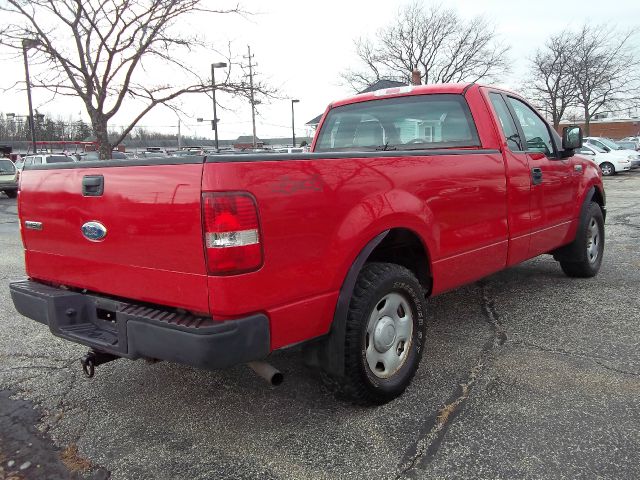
pixel 607 169
pixel 593 241
pixel 389 335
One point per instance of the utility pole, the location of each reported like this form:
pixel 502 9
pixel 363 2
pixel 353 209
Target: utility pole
pixel 26 45
pixel 179 136
pixel 253 102
pixel 293 122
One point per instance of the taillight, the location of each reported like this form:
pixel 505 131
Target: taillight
pixel 231 233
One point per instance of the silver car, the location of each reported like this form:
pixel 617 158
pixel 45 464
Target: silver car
pixel 8 178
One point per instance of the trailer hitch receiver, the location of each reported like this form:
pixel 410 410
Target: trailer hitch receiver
pixel 94 358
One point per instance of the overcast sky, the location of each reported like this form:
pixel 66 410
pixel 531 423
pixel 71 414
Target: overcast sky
pixel 302 46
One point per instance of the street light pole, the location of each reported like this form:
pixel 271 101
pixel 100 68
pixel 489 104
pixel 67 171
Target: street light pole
pixel 293 122
pixel 214 122
pixel 26 44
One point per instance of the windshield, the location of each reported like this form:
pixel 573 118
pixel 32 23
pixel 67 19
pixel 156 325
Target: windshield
pixel 58 159
pixel 597 148
pixel 611 144
pixel 408 123
pixel 6 166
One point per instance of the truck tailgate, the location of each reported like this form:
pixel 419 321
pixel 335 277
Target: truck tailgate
pixel 153 248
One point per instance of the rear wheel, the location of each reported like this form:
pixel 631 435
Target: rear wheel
pixel 384 336
pixel 584 255
pixel 607 169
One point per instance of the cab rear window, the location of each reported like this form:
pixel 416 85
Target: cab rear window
pixel 405 123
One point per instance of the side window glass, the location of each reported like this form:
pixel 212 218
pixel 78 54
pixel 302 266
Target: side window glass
pixel 506 122
pixel 37 160
pixel 535 130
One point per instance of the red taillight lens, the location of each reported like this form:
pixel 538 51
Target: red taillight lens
pixel 231 233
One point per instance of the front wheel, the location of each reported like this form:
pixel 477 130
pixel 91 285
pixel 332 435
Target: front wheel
pixel 587 249
pixel 607 169
pixel 384 335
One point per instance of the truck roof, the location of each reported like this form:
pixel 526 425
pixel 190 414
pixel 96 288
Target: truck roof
pixel 404 91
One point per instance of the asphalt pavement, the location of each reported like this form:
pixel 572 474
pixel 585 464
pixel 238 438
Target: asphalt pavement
pixel 527 374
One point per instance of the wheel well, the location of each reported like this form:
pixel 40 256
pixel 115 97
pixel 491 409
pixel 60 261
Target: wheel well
pixel 404 247
pixel 597 197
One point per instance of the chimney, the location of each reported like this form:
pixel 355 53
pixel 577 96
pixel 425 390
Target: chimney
pixel 415 77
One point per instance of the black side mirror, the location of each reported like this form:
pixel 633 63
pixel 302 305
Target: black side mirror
pixel 571 137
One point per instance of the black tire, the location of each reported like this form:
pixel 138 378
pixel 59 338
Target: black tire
pixel 11 193
pixel 579 260
pixel 376 282
pixel 607 169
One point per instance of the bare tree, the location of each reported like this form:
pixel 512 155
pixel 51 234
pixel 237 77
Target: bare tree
pixel 444 47
pixel 99 50
pixel 604 70
pixel 553 88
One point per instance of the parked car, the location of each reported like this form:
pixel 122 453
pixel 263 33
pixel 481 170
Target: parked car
pixel 93 156
pixel 151 154
pixel 8 178
pixel 215 261
pixel 610 163
pixel 187 153
pixel 289 150
pixel 634 140
pixel 626 144
pixel 43 160
pixel 609 145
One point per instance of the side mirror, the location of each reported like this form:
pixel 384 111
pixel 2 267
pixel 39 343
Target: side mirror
pixel 571 137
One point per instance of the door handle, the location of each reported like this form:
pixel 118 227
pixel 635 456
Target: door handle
pixel 92 185
pixel 536 176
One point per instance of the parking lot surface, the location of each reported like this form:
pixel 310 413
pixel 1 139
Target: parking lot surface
pixel 527 374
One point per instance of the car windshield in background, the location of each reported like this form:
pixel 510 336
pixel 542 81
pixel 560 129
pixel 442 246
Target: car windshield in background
pixel 611 144
pixel 58 159
pixel 406 123
pixel 627 145
pixel 6 166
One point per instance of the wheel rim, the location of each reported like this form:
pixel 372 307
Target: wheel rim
pixel 389 335
pixel 607 169
pixel 593 241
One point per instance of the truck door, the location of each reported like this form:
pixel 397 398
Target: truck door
pixel 553 187
pixel 518 181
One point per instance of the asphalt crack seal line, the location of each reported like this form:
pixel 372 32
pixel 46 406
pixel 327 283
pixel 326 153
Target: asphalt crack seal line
pixel 435 428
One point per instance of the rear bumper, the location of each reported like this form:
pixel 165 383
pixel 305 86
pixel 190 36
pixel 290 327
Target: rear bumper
pixel 133 331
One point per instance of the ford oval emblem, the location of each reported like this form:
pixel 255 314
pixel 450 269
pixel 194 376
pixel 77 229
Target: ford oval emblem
pixel 94 231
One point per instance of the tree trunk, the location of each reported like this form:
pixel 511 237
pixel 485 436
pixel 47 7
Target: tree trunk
pixel 100 130
pixel 587 122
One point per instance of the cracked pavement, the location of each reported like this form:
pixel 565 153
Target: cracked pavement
pixel 527 374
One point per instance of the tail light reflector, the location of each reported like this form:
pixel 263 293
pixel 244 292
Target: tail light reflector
pixel 231 233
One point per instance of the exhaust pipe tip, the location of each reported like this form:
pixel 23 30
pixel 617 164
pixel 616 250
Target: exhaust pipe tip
pixel 267 372
pixel 277 379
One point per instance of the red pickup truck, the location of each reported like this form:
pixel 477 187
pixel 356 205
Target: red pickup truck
pixel 220 260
